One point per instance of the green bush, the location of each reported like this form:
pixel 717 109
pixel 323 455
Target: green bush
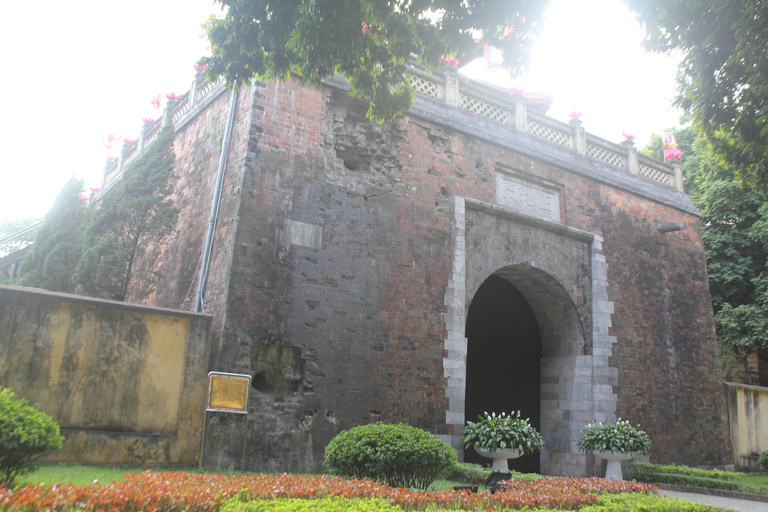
pixel 631 502
pixel 302 505
pixel 762 461
pixel 25 435
pixel 683 475
pixel 466 473
pixel 397 454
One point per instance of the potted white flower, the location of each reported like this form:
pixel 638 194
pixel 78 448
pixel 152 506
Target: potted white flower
pixel 501 437
pixel 614 443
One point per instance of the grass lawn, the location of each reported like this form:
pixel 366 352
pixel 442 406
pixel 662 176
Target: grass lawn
pixel 74 474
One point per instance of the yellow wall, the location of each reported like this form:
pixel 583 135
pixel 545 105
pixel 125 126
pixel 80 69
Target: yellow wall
pixel 125 382
pixel 748 416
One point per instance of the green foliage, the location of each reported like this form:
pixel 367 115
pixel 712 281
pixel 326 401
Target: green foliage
pixel 723 78
pixel 13 226
pixel 367 41
pixel 398 454
pixel 631 502
pixel 734 227
pixel 762 461
pixel 683 475
pixel 619 438
pixel 492 432
pixel 137 213
pixel 302 505
pixel 466 473
pixel 25 435
pixel 51 262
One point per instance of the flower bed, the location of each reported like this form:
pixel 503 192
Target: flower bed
pixel 181 491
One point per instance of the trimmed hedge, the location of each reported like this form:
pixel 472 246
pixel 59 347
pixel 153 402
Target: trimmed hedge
pixel 397 454
pixel 25 435
pixel 683 475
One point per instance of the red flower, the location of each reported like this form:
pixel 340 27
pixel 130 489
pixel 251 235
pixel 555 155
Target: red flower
pixel 451 61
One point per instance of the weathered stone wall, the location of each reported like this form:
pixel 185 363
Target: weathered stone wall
pixel 347 255
pixel 126 383
pixel 749 423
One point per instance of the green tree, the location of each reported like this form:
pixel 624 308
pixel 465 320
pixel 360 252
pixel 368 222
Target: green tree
pixel 368 41
pixel 135 214
pixel 723 78
pixel 11 227
pixel 51 262
pixel 734 227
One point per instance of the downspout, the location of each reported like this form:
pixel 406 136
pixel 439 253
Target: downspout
pixel 215 205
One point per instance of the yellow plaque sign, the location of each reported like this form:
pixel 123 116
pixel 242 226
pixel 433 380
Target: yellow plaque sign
pixel 228 392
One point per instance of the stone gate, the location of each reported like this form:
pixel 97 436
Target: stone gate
pixel 348 255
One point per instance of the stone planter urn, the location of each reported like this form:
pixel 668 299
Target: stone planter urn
pixel 613 469
pixel 499 457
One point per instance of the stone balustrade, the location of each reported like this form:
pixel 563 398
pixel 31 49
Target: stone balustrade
pixel 513 108
pixel 449 87
pixel 177 111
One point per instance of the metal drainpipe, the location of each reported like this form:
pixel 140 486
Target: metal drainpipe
pixel 215 206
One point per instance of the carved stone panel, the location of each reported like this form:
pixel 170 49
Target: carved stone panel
pixel 530 197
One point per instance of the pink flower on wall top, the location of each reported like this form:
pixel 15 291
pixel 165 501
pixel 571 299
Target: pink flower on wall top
pixel 451 61
pixel 628 136
pixel 172 95
pixel 128 141
pixel 672 153
pixel 575 115
pixel 148 120
pixel 515 90
pixel 201 68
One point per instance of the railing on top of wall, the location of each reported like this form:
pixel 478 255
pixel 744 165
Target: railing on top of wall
pixel 505 108
pixel 512 109
pixel 175 111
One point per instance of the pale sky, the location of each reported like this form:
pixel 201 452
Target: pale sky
pixel 74 71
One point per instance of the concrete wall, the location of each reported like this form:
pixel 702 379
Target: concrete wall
pixel 748 416
pixel 126 383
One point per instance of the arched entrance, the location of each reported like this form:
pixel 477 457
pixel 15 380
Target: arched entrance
pixel 503 360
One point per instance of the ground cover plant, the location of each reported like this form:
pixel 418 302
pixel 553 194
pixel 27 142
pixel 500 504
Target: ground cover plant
pixel 182 491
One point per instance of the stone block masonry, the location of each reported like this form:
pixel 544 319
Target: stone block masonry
pixel 348 254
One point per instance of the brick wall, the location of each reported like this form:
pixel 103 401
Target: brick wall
pixel 348 253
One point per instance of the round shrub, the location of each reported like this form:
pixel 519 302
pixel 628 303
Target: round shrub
pixel 25 435
pixel 398 454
